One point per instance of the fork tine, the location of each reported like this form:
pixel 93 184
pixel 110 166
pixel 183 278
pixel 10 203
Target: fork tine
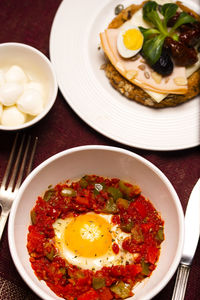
pixel 16 165
pixel 24 161
pixel 32 156
pixel 21 171
pixel 8 168
pixel 15 174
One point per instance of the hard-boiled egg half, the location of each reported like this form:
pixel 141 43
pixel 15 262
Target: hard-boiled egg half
pixel 130 40
pixel 86 241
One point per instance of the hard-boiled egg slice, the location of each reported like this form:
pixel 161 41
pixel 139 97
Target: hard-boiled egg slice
pixel 129 41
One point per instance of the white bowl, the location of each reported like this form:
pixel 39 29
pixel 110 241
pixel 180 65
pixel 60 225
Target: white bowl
pixel 110 162
pixel 38 67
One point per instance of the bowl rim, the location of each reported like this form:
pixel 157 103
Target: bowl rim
pixel 35 288
pixel 55 86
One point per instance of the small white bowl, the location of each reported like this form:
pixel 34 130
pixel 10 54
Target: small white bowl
pixel 108 162
pixel 38 67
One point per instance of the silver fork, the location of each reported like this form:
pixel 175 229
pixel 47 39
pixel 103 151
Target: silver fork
pixel 19 166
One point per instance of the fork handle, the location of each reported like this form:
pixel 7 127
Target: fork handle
pixel 3 219
pixel 181 282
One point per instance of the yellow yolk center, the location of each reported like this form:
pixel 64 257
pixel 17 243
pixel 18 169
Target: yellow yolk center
pixel 132 39
pixel 88 235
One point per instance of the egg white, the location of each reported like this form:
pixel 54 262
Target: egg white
pixel 93 263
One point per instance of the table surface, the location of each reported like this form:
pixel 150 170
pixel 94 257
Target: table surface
pixel 30 21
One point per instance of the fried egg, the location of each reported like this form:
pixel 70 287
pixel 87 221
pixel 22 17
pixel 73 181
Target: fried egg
pixel 130 40
pixel 86 241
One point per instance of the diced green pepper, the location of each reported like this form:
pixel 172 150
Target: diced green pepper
pixel 78 274
pixel 137 234
pixel 68 192
pixel 33 217
pixel 50 255
pixel 121 289
pixel 128 191
pixel 122 203
pixel 145 268
pixel 111 206
pixel 160 235
pixel 62 270
pixel 83 183
pixel 89 179
pixel 126 227
pixel 114 192
pixel 49 194
pixel 124 189
pixel 98 282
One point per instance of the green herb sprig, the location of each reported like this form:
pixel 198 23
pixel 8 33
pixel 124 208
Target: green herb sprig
pixel 154 37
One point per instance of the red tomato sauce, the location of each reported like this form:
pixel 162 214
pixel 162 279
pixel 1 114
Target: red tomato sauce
pixel 131 211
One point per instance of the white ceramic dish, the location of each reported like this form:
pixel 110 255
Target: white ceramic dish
pixel 110 162
pixel 74 53
pixel 38 67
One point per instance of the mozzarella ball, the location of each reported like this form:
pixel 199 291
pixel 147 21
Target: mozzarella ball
pixel 35 85
pixel 11 116
pixel 30 102
pixel 10 92
pixel 16 74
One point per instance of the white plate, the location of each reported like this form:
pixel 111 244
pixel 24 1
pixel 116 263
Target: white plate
pixel 74 53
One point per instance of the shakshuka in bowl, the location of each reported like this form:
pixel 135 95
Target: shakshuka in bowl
pixel 96 223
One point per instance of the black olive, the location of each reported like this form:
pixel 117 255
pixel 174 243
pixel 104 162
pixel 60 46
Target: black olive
pixel 164 64
pixel 119 8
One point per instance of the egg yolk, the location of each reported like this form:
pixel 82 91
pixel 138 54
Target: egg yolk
pixel 88 235
pixel 132 39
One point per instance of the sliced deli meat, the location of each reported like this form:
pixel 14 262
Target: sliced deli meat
pixel 138 72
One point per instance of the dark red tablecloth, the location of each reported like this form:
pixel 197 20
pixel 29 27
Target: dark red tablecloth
pixel 29 21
